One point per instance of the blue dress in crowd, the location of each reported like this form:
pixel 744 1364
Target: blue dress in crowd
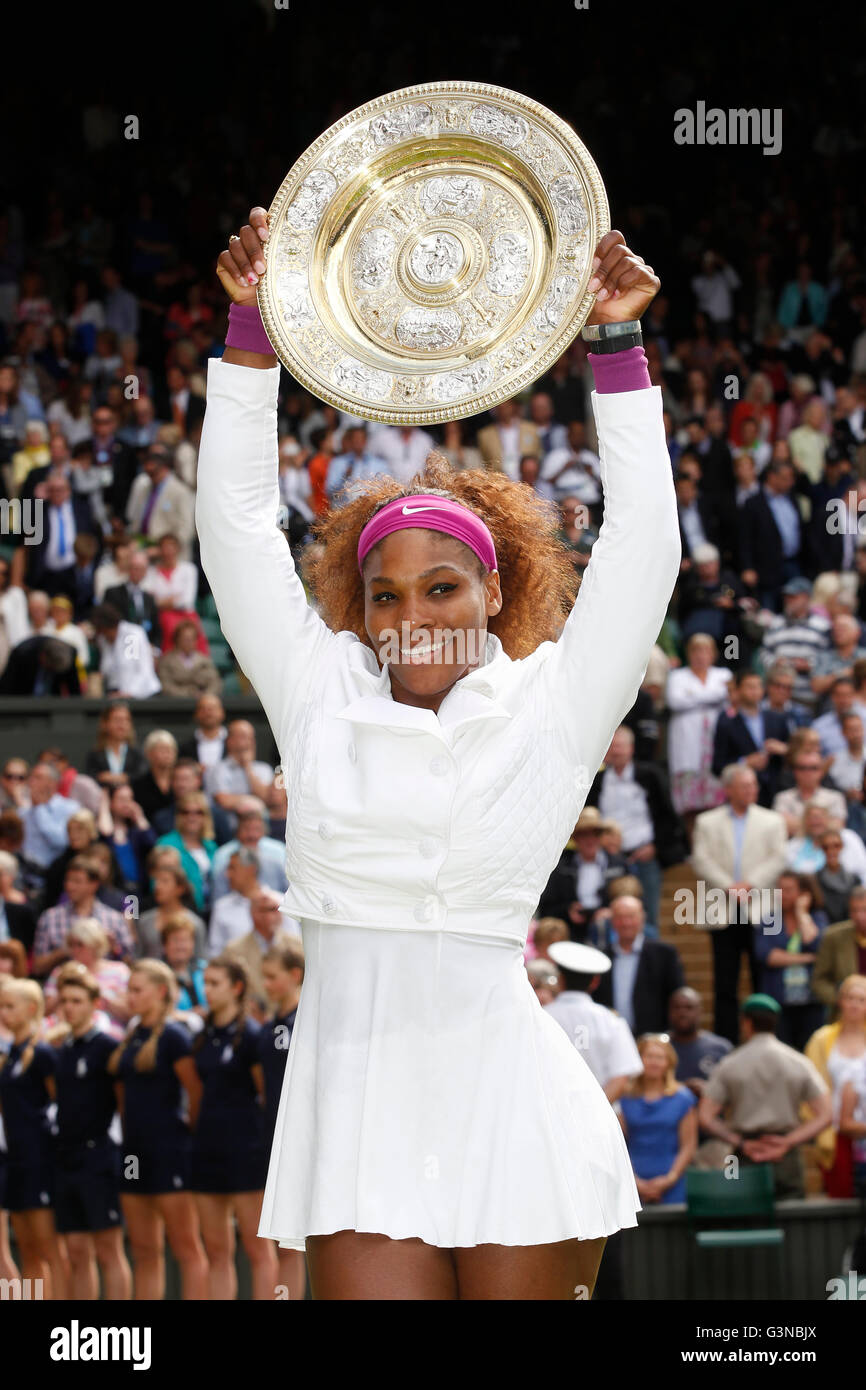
pixel 653 1135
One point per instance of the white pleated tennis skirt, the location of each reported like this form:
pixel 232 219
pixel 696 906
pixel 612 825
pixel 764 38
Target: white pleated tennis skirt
pixel 428 1094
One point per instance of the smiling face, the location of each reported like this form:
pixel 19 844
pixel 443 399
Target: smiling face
pixel 426 611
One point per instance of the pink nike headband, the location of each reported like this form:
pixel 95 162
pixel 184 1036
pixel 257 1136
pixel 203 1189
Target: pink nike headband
pixel 434 514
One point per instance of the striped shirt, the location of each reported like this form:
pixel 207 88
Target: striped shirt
pixel 55 922
pixel 790 639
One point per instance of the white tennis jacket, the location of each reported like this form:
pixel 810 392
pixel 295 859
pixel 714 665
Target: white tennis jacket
pixel 398 817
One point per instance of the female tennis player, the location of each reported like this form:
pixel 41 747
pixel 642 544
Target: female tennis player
pixel 439 720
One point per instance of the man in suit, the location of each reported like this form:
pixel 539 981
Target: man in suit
pixel 738 847
pixel 771 537
pixel 636 796
pixel 20 923
pixel 708 438
pixel 159 503
pixel 132 600
pixel 753 736
pixel 110 454
pixel 578 886
pixel 709 600
pixel 52 560
pixel 831 547
pixel 41 665
pixel 356 462
pixel 698 515
pixel 504 444
pixel 842 951
pixel 644 973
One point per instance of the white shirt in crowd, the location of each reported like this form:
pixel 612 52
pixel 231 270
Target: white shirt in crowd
pixel 405 454
pixel 589 880
pixel 713 293
pixel 181 586
pixel 296 491
pixel 575 481
pixel 127 662
pixel 624 800
pixel 230 919
pixel 210 750
pixel 847 770
pixel 603 1039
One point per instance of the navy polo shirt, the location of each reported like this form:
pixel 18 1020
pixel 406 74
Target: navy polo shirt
pixel 85 1090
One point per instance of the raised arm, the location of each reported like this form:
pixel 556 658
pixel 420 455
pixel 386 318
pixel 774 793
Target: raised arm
pixel 280 642
pixel 601 657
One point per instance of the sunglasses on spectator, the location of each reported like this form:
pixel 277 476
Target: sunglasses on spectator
pixel 807 767
pixel 15 776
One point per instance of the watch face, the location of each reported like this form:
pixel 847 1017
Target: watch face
pixel 430 253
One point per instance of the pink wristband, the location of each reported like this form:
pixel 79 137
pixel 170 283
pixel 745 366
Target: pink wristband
pixel 246 330
pixel 620 371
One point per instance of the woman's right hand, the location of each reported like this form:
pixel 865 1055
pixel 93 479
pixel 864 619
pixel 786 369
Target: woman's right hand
pixel 242 264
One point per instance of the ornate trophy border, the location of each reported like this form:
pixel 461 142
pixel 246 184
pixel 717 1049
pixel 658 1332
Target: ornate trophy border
pixel 599 219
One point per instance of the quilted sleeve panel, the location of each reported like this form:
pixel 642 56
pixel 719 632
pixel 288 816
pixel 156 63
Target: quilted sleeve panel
pixel 594 671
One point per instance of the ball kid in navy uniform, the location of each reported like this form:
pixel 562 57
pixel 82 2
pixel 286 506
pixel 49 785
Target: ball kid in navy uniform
pixel 87 1172
pixel 157 1082
pixel 13 962
pixel 229 1159
pixel 283 975
pixel 26 1092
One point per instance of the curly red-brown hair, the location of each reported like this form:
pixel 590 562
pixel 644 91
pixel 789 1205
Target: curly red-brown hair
pixel 536 574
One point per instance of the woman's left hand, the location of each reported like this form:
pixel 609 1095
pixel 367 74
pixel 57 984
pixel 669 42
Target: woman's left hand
pixel 626 285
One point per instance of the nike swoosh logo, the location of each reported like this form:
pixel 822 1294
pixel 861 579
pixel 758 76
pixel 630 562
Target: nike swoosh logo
pixel 410 511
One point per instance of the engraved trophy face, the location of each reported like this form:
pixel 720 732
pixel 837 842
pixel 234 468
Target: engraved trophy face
pixel 430 253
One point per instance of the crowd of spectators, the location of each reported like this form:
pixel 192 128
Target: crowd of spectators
pixel 743 758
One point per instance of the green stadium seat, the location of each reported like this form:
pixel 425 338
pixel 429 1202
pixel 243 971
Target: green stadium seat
pixel 730 1203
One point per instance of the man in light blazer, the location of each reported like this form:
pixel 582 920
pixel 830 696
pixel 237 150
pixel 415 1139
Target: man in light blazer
pixel 842 951
pixel 504 444
pixel 159 503
pixel 737 847
pixel 270 928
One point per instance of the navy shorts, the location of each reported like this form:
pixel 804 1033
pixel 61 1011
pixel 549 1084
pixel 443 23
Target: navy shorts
pixel 223 1172
pixel 30 1186
pixel 154 1172
pixel 87 1179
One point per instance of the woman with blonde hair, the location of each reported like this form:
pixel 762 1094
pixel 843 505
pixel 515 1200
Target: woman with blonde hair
pixel 157 1080
pixel 115 758
pixel 152 789
pixel 88 944
pixel 26 1092
pixel 547 930
pixel 193 837
pixel 838 1051
pixel 81 833
pixel 659 1119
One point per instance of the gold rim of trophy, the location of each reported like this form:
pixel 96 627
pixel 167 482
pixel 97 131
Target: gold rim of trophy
pixel 430 252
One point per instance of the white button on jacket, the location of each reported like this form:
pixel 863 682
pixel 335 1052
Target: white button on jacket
pixel 498 777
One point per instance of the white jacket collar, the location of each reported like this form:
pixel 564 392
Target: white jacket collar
pixel 474 696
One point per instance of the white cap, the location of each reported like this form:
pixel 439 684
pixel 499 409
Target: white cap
pixel 583 960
